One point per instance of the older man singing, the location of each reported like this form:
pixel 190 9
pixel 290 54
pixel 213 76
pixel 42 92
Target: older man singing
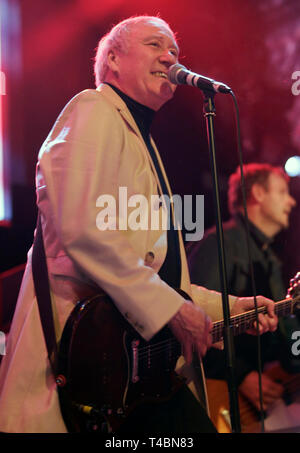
pixel 100 142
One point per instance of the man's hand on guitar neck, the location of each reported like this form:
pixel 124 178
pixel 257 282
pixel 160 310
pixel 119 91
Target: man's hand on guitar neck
pixel 191 326
pixel 267 322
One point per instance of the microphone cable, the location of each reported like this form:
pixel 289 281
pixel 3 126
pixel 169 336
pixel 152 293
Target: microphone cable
pixel 240 155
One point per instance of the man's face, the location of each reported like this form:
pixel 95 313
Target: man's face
pixel 142 70
pixel 277 203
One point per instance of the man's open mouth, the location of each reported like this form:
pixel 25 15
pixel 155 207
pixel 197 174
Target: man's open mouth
pixel 160 74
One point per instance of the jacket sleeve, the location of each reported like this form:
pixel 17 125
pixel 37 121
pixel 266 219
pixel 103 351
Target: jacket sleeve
pixel 78 162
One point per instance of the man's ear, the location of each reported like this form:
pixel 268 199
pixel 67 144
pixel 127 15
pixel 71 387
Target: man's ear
pixel 113 61
pixel 257 193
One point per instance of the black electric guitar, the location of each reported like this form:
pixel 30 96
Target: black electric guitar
pixel 106 369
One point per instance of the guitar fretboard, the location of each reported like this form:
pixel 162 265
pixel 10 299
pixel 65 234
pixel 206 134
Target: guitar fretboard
pixel 239 323
pixel 242 322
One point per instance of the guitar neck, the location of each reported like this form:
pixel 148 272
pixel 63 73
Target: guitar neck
pixel 242 322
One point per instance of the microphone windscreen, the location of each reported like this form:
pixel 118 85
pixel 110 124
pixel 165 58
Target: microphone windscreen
pixel 176 73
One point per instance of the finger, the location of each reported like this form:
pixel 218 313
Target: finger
pixel 268 303
pixel 256 403
pixel 268 323
pixel 273 390
pixel 209 326
pixel 263 323
pixel 273 323
pixel 204 344
pixel 203 350
pixel 201 346
pixel 219 345
pixel 262 327
pixel 269 399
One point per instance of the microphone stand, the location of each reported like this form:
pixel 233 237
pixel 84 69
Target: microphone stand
pixel 209 113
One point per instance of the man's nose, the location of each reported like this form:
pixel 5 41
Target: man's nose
pixel 168 58
pixel 292 201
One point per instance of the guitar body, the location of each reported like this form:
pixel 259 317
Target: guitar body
pixel 249 417
pixel 106 369
pixel 218 399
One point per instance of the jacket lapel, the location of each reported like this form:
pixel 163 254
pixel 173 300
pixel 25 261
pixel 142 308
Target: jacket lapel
pixel 120 105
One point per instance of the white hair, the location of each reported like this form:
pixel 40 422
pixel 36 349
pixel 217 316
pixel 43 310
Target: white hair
pixel 117 39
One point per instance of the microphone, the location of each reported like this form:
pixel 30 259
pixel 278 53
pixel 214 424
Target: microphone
pixel 180 75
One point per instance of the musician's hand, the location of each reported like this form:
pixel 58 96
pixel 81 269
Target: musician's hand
pixel 267 322
pixel 271 391
pixel 191 326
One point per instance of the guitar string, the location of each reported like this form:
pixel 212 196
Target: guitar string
pixel 240 321
pixel 158 347
pixel 216 332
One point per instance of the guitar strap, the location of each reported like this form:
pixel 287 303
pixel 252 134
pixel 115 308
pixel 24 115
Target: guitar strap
pixel 42 291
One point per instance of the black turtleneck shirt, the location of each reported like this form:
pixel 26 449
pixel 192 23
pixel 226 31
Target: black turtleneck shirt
pixel 170 271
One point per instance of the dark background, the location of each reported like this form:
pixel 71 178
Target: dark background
pixel 252 45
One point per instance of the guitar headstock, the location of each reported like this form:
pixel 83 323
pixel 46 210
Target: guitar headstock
pixel 294 291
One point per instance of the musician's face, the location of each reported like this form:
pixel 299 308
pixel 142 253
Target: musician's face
pixel 277 203
pixel 141 72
